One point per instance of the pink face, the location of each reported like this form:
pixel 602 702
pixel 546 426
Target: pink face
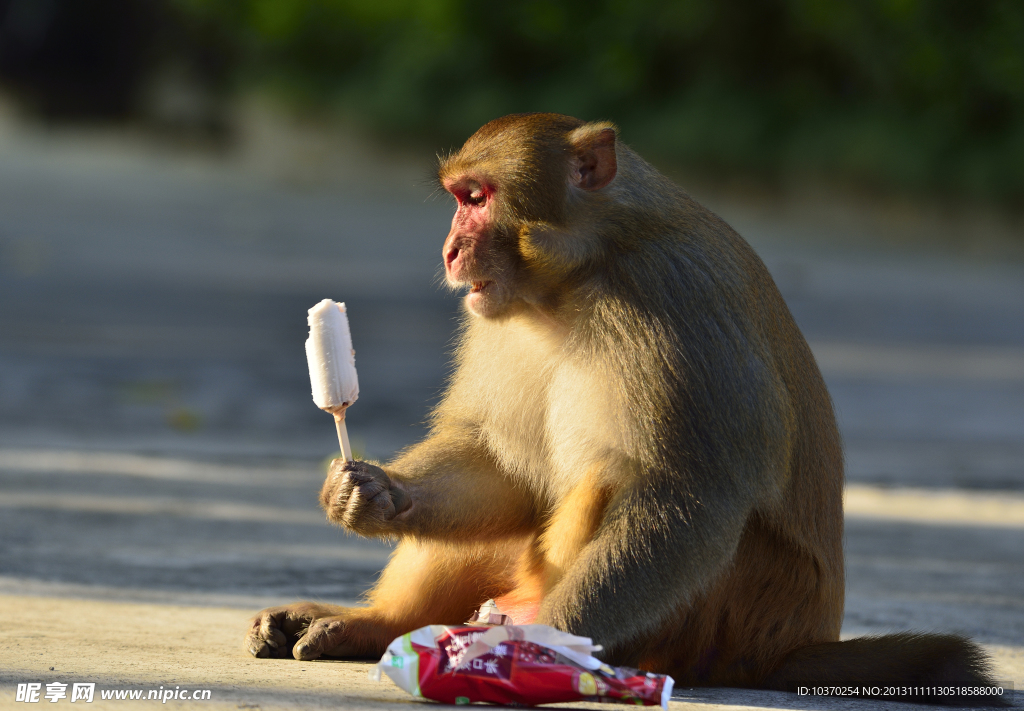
pixel 470 258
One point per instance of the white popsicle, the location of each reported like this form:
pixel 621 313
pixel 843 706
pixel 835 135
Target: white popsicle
pixel 332 365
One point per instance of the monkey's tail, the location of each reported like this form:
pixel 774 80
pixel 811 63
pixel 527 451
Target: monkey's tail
pixel 944 669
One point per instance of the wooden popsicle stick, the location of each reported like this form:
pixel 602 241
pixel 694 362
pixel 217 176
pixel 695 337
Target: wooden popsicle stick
pixel 346 448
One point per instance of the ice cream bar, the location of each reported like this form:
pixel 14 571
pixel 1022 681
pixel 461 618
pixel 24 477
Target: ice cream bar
pixel 332 364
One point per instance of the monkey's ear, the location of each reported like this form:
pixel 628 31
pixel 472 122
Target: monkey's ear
pixel 595 163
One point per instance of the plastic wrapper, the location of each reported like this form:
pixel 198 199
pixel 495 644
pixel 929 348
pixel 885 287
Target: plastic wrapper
pixel 513 665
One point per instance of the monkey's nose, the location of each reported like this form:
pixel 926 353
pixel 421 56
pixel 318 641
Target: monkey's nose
pixel 450 255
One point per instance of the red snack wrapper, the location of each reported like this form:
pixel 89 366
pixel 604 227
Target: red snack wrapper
pixel 513 665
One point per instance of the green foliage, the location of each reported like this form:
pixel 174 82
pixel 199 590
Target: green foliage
pixel 905 94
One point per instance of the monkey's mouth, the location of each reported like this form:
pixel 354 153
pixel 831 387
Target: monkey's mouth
pixel 479 286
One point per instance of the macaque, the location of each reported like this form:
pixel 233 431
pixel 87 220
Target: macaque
pixel 636 444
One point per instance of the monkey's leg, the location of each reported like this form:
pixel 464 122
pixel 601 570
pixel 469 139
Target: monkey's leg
pixel 651 553
pixel 570 528
pixel 424 583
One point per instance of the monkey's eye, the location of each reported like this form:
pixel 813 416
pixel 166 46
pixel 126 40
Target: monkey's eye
pixel 477 197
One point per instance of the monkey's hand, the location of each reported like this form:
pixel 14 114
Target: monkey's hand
pixel 274 631
pixel 362 497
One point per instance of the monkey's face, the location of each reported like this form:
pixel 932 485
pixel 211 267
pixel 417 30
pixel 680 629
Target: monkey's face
pixel 513 241
pixel 476 252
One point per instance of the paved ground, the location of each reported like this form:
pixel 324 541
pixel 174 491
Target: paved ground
pixel 159 451
pixel 153 647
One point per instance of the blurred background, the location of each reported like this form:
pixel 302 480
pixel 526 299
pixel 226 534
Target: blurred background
pixel 181 179
pixel 919 97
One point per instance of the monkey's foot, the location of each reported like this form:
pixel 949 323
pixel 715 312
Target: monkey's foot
pixel 350 635
pixel 274 631
pixel 520 610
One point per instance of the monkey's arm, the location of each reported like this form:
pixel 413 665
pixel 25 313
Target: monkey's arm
pixel 716 450
pixel 446 487
pixel 653 552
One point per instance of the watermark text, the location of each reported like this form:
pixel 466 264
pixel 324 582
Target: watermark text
pixel 53 692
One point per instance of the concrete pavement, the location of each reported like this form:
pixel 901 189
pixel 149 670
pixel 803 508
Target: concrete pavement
pixel 134 646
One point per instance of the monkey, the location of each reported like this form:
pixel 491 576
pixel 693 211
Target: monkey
pixel 635 445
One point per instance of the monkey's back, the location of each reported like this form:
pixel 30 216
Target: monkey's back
pixel 785 586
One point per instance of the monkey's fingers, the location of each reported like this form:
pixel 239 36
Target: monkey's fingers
pixel 324 634
pixel 367 507
pixel 341 466
pixel 344 476
pixel 359 497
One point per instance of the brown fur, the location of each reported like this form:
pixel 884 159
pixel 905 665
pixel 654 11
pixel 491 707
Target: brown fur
pixel 636 444
pixel 572 526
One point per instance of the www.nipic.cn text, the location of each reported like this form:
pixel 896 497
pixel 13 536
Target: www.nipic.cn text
pixel 33 693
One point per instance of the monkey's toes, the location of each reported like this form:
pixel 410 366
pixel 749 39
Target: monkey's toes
pixel 259 647
pixel 322 635
pixel 264 638
pixel 304 653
